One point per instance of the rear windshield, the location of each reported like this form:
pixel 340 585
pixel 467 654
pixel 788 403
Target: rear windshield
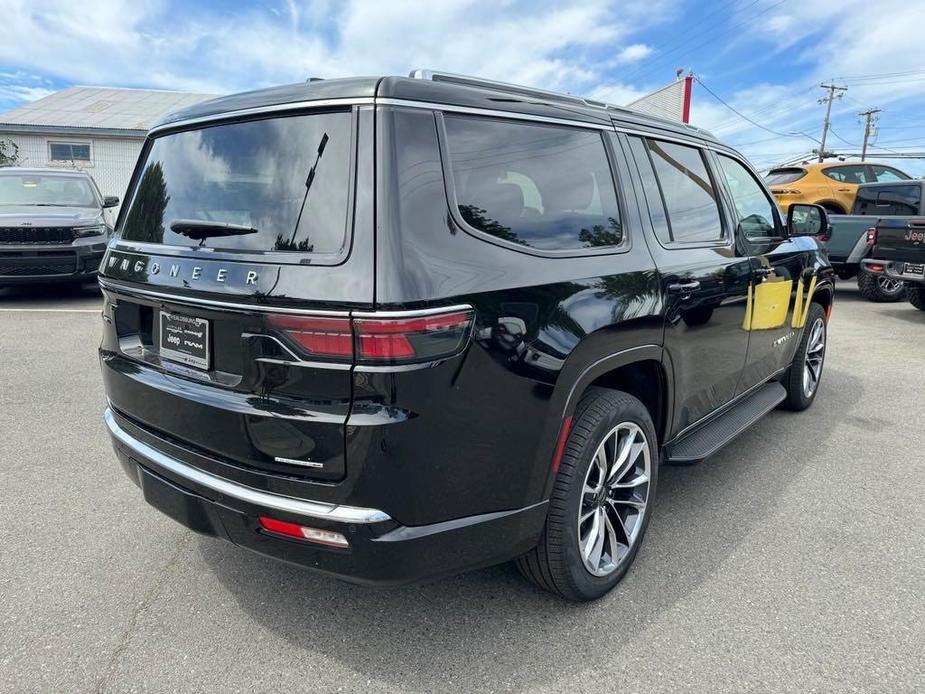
pixel 46 191
pixel 887 200
pixel 280 184
pixel 777 176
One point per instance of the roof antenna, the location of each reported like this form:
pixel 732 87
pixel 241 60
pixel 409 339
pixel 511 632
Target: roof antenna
pixel 314 79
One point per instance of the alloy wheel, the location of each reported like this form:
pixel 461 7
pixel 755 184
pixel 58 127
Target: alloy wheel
pixel 890 286
pixel 815 354
pixel 614 499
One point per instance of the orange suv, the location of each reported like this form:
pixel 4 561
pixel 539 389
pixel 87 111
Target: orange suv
pixel 830 184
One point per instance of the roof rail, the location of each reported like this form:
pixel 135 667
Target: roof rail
pixel 467 80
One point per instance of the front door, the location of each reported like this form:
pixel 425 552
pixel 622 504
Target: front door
pixel 783 280
pixel 705 278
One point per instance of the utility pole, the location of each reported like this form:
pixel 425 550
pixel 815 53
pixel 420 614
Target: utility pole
pixel 868 120
pixel 834 93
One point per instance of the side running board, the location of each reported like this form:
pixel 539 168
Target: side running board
pixel 708 439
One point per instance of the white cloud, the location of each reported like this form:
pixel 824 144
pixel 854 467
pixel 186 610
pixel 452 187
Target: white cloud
pixel 122 42
pixel 633 53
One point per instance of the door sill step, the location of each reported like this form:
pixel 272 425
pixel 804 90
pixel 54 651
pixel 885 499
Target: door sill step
pixel 709 438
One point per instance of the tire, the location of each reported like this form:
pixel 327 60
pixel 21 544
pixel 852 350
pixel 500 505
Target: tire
pixel 604 420
pixel 832 208
pixel 916 295
pixel 879 288
pixel 797 382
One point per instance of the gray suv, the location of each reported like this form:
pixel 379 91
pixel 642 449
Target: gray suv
pixel 52 225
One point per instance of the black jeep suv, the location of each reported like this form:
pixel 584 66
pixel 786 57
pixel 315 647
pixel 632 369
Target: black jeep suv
pixel 396 328
pixel 52 226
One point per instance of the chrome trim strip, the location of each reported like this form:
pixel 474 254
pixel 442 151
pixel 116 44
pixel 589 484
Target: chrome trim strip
pixel 413 313
pixel 311 509
pixel 514 115
pixel 174 298
pixel 260 110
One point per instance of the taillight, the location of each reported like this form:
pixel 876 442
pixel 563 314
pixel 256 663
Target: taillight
pixel 318 336
pixel 872 236
pixel 421 338
pixel 384 338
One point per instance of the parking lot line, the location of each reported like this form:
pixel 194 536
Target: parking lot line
pixel 50 310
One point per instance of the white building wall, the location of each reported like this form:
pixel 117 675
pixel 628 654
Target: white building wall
pixel 111 165
pixel 667 102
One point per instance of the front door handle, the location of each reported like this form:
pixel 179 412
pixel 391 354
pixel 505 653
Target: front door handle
pixel 763 271
pixel 684 287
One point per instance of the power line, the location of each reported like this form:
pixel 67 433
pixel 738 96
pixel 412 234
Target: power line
pixel 744 117
pixel 712 39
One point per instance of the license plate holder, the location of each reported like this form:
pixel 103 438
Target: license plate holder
pixel 185 339
pixel 914 269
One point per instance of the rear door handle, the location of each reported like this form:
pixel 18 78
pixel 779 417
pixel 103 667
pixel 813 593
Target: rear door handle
pixel 684 287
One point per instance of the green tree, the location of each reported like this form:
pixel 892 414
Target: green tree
pixel 145 220
pixel 9 153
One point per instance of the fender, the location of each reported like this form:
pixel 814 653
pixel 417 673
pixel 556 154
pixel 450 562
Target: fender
pixel 567 395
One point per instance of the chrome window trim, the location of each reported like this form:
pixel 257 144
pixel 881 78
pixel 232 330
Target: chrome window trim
pixel 477 111
pixel 414 313
pixel 260 110
pixel 212 303
pixel 301 507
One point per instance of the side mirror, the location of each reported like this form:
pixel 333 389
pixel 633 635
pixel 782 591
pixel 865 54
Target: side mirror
pixel 110 201
pixel 807 220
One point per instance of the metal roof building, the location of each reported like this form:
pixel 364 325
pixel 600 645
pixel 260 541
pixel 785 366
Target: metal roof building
pixel 99 129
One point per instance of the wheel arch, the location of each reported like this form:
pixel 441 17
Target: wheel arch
pixel 634 371
pixel 832 206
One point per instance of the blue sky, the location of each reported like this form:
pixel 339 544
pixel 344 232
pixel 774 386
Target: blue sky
pixel 765 58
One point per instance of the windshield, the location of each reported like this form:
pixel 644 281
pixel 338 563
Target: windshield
pixel 46 191
pixel 778 176
pixel 283 181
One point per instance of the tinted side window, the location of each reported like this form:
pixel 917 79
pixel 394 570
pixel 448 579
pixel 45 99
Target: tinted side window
pixel 539 186
pixel 688 192
pixel 650 189
pixel 754 211
pixel 888 175
pixel 887 200
pixel 848 174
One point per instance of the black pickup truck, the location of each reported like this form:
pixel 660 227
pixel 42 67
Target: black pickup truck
pixel 898 252
pixel 848 241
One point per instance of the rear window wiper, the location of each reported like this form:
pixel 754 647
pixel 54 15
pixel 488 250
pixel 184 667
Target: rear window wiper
pixel 200 229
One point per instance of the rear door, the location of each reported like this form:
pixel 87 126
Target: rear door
pixel 783 276
pixel 704 276
pixel 240 252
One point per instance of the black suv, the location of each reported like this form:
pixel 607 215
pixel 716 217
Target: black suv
pixel 52 226
pixel 394 328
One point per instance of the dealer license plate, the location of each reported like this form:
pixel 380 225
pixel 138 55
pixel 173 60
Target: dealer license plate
pixel 185 339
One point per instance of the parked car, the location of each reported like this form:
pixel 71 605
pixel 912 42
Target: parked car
pixel 52 225
pixel 848 241
pixel 830 184
pixel 395 328
pixel 898 252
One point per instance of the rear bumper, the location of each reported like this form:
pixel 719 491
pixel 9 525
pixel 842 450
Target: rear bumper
pixel 891 268
pixel 381 550
pixel 52 263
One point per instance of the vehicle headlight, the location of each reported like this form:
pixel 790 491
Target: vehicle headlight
pixel 91 230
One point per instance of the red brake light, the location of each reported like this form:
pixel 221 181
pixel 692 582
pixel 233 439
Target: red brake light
pixel 418 338
pixel 325 337
pixel 379 339
pixel 872 236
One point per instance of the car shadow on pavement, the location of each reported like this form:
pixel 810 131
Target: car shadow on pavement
pixel 51 294
pixel 909 314
pixel 490 628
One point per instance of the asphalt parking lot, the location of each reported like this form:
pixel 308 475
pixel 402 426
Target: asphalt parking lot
pixel 794 560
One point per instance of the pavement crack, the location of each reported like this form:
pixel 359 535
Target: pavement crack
pixel 141 607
